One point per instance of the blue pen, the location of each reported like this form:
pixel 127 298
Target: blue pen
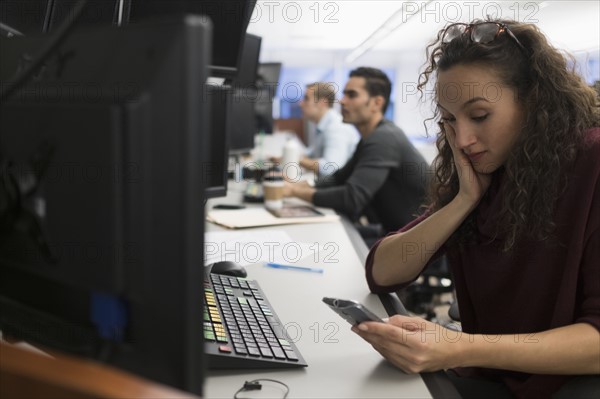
pixel 290 267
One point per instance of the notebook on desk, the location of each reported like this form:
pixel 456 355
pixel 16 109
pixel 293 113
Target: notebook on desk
pixel 259 217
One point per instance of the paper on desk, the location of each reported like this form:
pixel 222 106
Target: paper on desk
pixel 246 248
pixel 257 217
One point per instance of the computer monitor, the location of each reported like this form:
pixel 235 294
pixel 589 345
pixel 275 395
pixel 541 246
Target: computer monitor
pixel 249 63
pixel 101 228
pixel 243 121
pixel 230 19
pixel 268 84
pixel 43 16
pixel 95 12
pixel 245 96
pixel 268 76
pixel 218 98
pixel 26 16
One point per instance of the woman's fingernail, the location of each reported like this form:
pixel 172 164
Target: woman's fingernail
pixel 363 327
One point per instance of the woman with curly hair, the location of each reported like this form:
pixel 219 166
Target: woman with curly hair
pixel 515 207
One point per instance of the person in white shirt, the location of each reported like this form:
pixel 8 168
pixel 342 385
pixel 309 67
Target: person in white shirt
pixel 335 141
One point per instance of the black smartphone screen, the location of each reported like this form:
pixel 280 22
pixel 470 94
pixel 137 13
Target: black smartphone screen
pixel 353 312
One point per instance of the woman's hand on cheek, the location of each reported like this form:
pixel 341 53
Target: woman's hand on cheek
pixel 473 184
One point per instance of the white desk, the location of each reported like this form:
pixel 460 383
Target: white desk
pixel 340 364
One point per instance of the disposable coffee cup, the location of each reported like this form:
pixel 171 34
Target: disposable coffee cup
pixel 273 193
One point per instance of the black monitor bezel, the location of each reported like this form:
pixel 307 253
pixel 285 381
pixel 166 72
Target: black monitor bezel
pixel 249 62
pixel 225 15
pixel 215 169
pixel 159 123
pixel 245 96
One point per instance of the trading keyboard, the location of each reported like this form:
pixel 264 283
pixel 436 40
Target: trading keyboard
pixel 240 328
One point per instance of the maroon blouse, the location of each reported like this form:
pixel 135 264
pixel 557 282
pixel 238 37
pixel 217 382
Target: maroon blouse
pixel 540 285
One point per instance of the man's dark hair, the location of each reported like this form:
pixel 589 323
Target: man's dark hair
pixel 376 82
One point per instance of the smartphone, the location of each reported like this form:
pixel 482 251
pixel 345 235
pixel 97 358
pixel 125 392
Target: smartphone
pixel 353 312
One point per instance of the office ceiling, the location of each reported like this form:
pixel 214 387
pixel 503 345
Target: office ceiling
pixel 342 25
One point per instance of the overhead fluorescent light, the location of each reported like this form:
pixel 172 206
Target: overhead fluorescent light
pixel 400 17
pixel 543 4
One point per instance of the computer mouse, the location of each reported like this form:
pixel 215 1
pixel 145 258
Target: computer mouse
pixel 228 268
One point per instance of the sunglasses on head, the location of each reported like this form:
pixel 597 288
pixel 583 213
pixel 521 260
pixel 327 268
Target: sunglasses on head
pixel 480 32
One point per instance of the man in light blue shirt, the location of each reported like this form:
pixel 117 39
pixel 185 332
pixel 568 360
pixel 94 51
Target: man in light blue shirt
pixel 335 140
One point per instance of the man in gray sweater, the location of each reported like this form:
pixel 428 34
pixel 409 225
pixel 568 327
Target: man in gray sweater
pixel 385 179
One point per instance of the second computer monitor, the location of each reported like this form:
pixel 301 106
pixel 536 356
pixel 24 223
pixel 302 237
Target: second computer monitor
pixel 230 19
pixel 249 65
pixel 245 97
pixel 214 170
pixel 268 84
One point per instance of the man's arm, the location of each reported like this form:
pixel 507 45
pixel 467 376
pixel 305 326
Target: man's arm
pixel 359 182
pixel 311 164
pixel 300 190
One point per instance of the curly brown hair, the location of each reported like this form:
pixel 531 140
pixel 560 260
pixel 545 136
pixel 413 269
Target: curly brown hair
pixel 559 108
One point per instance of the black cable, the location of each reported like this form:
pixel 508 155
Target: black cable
pixel 255 385
pixel 61 34
pixel 8 31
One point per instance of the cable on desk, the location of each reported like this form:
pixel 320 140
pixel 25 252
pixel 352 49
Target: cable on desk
pixel 255 385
